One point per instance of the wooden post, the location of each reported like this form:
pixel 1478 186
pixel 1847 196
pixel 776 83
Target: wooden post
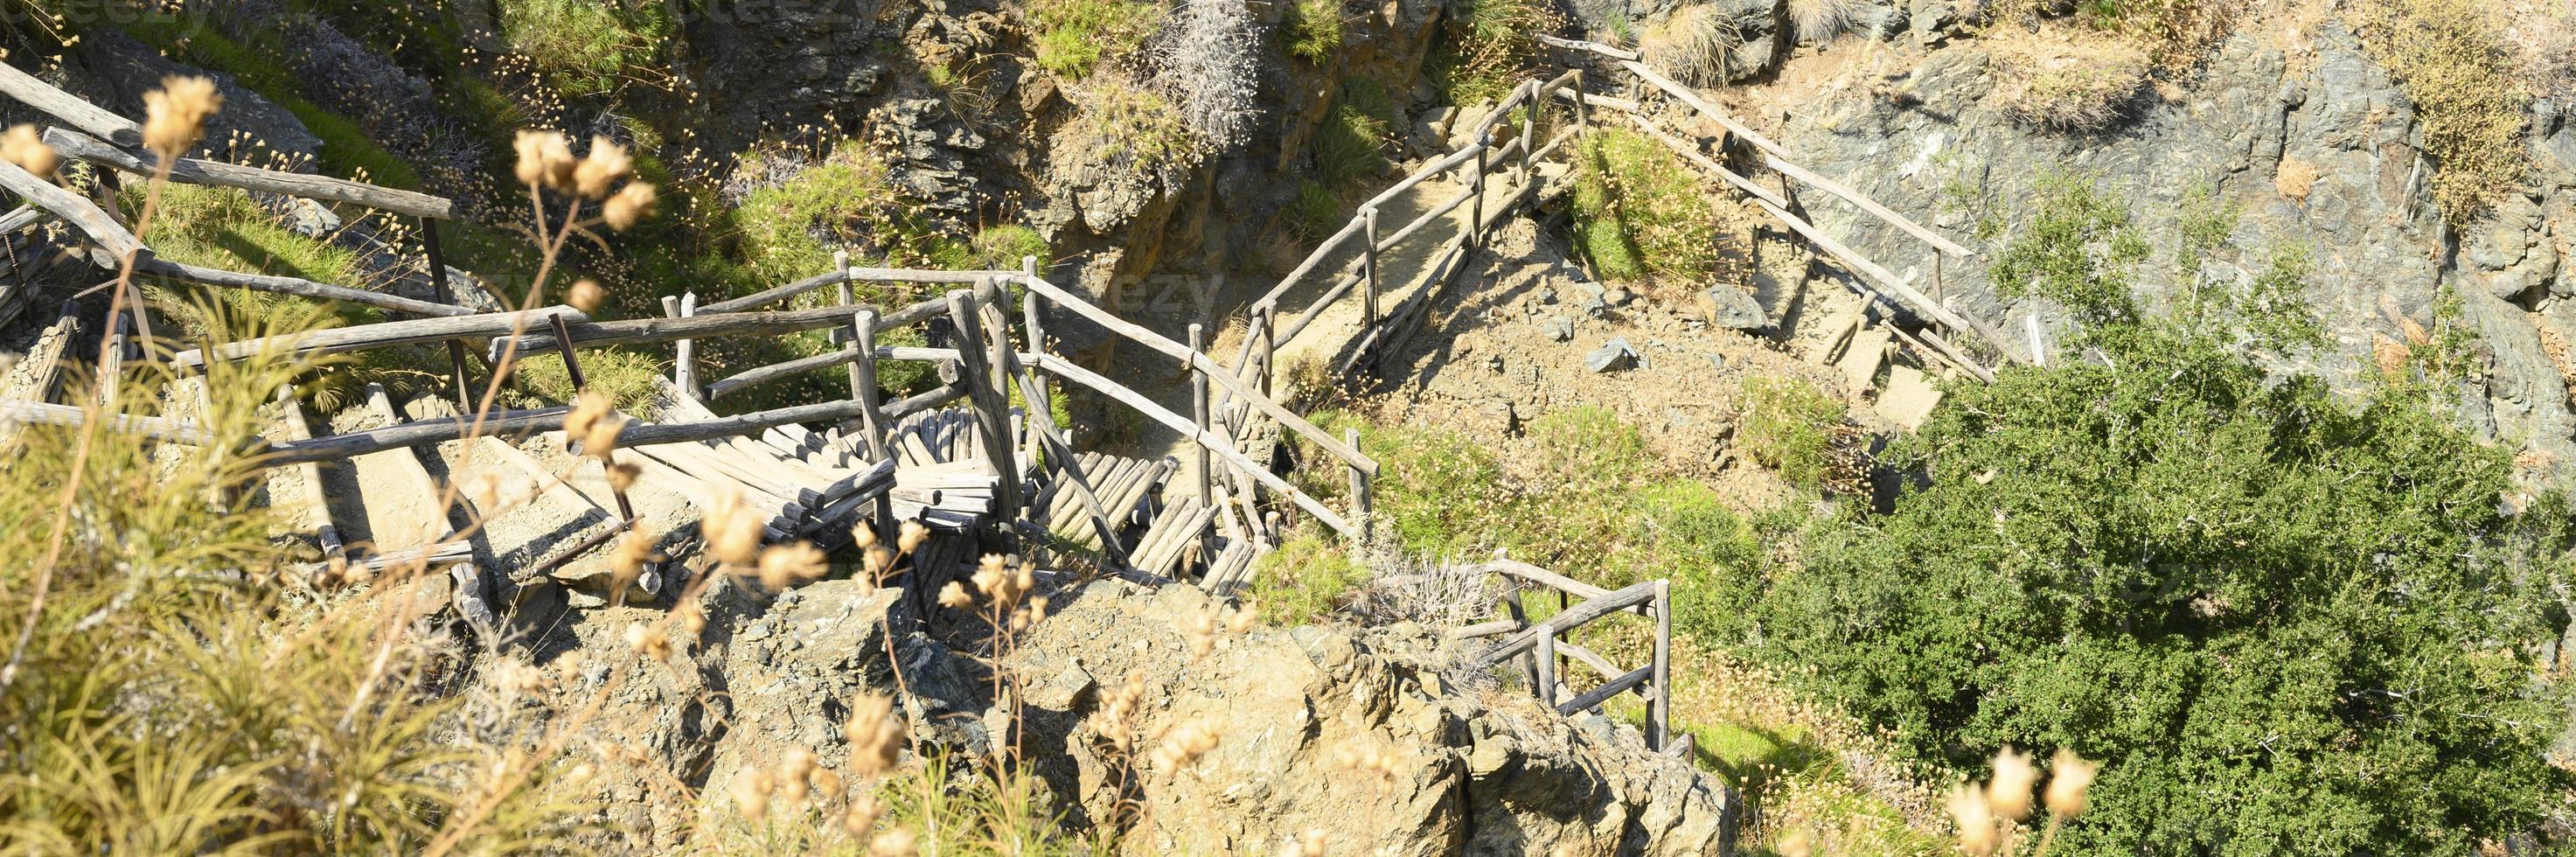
pixel 1035 332
pixel 841 262
pixel 872 421
pixel 1659 722
pixel 684 371
pixel 440 293
pixel 1359 482
pixel 1520 622
pixel 1368 268
pixel 1266 317
pixel 992 411
pixel 1476 201
pixel 1199 412
pixel 1547 668
pixel 1582 110
pixel 1529 130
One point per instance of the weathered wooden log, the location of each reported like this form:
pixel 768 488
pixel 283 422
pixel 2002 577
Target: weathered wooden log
pixel 91 118
pixel 1593 698
pixel 158 428
pixel 82 214
pixel 707 323
pixel 1595 47
pixel 775 294
pixel 336 340
pixel 1568 619
pixel 1206 364
pixel 296 286
pixel 74 144
pixel 416 433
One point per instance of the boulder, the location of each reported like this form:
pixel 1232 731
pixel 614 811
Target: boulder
pixel 1612 356
pixel 1732 308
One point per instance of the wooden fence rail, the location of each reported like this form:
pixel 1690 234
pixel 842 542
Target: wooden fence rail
pixel 1543 643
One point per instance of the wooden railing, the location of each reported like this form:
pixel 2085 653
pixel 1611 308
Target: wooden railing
pixel 1543 650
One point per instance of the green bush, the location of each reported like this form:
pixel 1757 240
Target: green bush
pixel 1304 580
pixel 1350 146
pixel 1491 48
pixel 1317 211
pixel 585 47
pixel 1313 29
pixel 1000 248
pixel 1788 424
pixel 1073 36
pixel 2290 623
pixel 1639 210
pixel 2077 249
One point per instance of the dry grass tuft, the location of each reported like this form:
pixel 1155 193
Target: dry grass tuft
pixel 1821 20
pixel 2295 178
pixel 1695 46
pixel 2081 82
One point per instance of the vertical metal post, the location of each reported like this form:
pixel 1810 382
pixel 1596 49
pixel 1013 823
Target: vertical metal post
pixel 1368 269
pixel 438 287
pixel 1659 722
pixel 872 422
pixel 563 346
pixel 1199 412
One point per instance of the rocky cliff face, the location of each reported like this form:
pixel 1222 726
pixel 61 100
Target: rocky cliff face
pixel 2300 130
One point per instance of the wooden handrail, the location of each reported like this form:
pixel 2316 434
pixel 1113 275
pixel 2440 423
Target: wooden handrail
pixel 337 340
pixel 1137 401
pixel 75 144
pixel 162 428
pixel 1568 619
pixel 1203 363
pixel 700 326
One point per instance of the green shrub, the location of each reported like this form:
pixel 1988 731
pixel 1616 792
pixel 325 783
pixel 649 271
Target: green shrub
pixel 1133 127
pixel 2456 69
pixel 2290 623
pixel 1350 146
pixel 1788 424
pixel 1491 48
pixel 586 47
pixel 1073 36
pixel 2077 250
pixel 1317 211
pixel 1001 248
pixel 1313 29
pixel 630 379
pixel 1640 211
pixel 1304 580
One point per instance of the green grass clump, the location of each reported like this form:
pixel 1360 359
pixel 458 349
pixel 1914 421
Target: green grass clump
pixel 1788 424
pixel 1593 504
pixel 1135 127
pixel 2078 249
pixel 630 379
pixel 585 47
pixel 1074 36
pixel 2235 590
pixel 1313 29
pixel 1350 146
pixel 1491 48
pixel 1316 211
pixel 1000 248
pixel 1639 211
pixel 1304 580
pixel 2455 67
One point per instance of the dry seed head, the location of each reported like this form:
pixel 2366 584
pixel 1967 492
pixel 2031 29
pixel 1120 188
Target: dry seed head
pixel 1978 831
pixel 790 564
pixel 828 788
pixel 606 166
pixel 793 771
pixel 1239 621
pixel 750 788
pixel 545 159
pixel 909 535
pixel 24 147
pixel 732 531
pixel 879 561
pixel 954 597
pixel 875 734
pixel 602 438
pixel 1183 746
pixel 626 562
pixel 991 576
pixel 862 814
pixel 2069 777
pixel 864 535
pixel 649 640
pixel 1199 629
pixel 587 410
pixel 175 115
pixel 585 295
pixel 2008 794
pixel 632 204
pixel 897 842
pixel 621 477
